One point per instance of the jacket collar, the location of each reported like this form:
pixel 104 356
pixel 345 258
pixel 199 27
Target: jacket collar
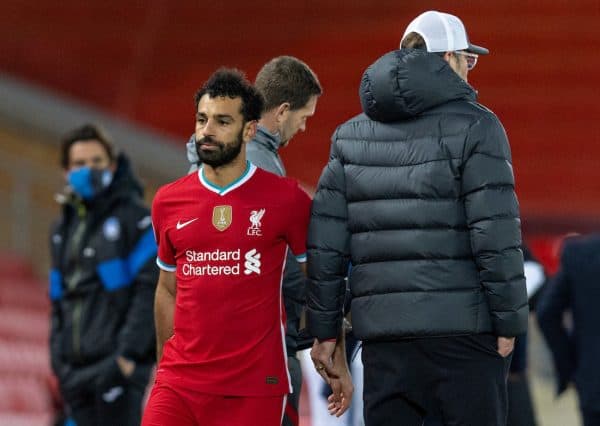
pixel 267 139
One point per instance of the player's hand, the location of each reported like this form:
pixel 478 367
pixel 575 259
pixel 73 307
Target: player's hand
pixel 322 357
pixel 340 381
pixel 505 345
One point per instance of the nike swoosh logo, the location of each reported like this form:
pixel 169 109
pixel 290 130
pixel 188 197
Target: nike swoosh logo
pixel 184 224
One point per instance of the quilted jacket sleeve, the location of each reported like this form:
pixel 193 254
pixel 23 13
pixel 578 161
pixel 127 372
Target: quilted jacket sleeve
pixel 328 251
pixel 492 212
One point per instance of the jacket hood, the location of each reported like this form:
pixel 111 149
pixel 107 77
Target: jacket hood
pixel 404 83
pixel 125 183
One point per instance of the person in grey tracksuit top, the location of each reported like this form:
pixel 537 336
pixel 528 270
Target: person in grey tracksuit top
pixel 291 90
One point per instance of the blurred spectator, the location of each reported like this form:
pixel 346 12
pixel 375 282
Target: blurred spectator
pixel 520 406
pixel 576 347
pixel 291 90
pixel 101 285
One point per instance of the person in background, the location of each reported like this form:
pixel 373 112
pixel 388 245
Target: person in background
pixel 101 284
pixel 575 347
pixel 290 90
pixel 418 196
pixel 521 411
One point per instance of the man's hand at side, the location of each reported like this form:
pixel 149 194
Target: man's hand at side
pixel 505 345
pixel 340 382
pixel 329 358
pixel 322 357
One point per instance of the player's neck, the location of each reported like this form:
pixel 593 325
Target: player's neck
pixel 225 175
pixel 269 122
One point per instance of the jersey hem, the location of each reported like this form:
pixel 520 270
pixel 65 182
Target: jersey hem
pixel 215 390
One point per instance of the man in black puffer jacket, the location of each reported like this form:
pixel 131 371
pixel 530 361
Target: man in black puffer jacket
pixel 418 197
pixel 102 285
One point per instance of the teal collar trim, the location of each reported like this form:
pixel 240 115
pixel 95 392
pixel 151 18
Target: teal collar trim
pixel 222 190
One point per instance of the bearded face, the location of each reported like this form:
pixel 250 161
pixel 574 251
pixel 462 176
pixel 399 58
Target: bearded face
pixel 218 153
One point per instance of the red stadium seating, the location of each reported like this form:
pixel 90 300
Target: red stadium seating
pixel 548 104
pixel 25 359
pixel 17 324
pixel 27 293
pixel 18 419
pixel 25 394
pixel 14 265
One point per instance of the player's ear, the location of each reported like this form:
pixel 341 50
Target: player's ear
pixel 250 130
pixel 282 112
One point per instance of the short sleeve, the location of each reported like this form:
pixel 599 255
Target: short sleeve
pixel 298 222
pixel 166 253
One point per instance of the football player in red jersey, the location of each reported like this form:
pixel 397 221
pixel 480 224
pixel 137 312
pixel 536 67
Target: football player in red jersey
pixel 223 234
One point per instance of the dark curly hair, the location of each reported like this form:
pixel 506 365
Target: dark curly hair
pixel 232 83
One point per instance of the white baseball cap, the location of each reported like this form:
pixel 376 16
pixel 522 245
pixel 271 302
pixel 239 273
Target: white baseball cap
pixel 442 32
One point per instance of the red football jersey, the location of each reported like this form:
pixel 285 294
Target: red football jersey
pixel 227 247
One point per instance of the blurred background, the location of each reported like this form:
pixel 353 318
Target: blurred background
pixel 134 67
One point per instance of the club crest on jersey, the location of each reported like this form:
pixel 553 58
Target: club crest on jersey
pixel 255 225
pixel 222 217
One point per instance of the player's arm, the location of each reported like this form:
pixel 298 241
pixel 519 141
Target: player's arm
pixel 164 309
